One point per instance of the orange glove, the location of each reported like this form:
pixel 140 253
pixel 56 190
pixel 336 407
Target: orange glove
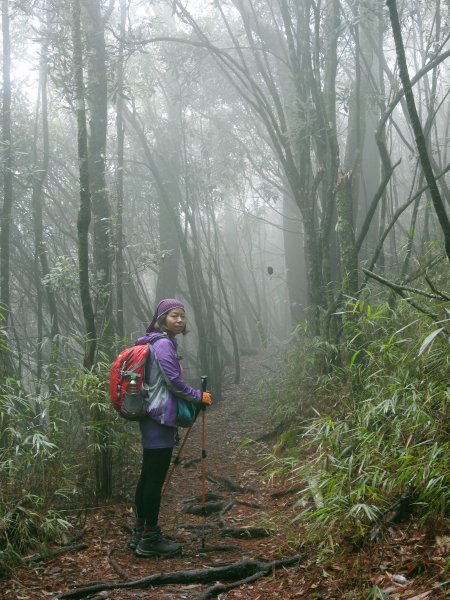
pixel 207 398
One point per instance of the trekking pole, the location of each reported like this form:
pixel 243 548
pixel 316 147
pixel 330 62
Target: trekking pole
pixel 204 383
pixel 176 460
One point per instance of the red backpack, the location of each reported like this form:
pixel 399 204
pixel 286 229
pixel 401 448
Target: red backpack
pixel 130 361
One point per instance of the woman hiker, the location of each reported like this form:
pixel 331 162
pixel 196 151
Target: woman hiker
pixel 165 379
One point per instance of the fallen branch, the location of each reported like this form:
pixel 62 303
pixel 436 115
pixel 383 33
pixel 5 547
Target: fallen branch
pixel 253 569
pixel 117 568
pixel 51 554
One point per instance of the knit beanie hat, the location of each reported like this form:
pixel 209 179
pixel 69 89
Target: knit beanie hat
pixel 164 307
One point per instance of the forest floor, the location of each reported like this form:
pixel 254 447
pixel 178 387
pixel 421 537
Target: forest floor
pixel 407 565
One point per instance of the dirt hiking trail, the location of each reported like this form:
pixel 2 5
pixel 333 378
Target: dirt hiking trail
pixel 249 527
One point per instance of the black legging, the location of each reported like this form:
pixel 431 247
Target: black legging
pixel 155 464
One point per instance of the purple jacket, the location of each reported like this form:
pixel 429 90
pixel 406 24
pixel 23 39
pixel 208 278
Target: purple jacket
pixel 165 378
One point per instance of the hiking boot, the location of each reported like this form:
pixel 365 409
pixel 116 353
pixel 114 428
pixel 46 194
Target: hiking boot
pixel 152 543
pixel 135 537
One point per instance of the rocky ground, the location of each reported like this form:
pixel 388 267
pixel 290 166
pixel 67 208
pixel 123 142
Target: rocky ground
pixel 244 501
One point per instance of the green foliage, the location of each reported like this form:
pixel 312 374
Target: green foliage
pixel 379 444
pixel 32 471
pixel 48 455
pixel 307 363
pixel 63 274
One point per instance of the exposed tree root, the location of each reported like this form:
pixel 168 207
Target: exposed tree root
pixel 192 527
pixel 219 588
pixel 229 485
pixel 241 532
pixel 246 532
pixel 190 463
pixel 216 507
pixel 208 496
pixel 221 548
pixel 239 573
pixel 208 508
pixel 286 491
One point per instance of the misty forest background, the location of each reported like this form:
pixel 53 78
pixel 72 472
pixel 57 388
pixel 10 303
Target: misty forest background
pixel 280 166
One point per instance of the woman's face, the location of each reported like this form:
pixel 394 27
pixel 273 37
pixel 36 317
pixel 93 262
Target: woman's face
pixel 175 321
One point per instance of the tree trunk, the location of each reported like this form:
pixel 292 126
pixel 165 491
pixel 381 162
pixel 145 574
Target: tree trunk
pixel 7 169
pixel 98 104
pixel 294 261
pixel 346 235
pixel 84 212
pixel 120 265
pixel 167 283
pixel 42 267
pixel 97 98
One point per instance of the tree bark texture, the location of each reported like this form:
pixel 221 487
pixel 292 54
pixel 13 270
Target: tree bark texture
pixel 346 235
pixel 294 261
pixel 239 572
pixel 97 98
pixel 84 212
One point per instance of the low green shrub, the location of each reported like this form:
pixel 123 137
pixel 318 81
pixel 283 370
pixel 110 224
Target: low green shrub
pixel 378 447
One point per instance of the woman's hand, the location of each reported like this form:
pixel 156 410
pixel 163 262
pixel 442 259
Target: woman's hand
pixel 206 398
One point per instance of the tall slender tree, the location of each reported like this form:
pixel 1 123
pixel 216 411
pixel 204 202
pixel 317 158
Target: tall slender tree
pixel 7 172
pixel 40 172
pixel 120 132
pixel 417 126
pixel 84 212
pixel 97 99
